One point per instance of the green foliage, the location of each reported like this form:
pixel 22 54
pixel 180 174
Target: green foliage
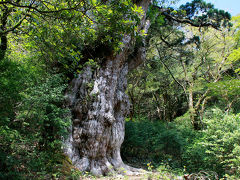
pixel 64 36
pixel 51 36
pixel 10 85
pixel 234 57
pixel 199 11
pixel 217 149
pixel 183 60
pixel 153 141
pixel 67 41
pixel 42 107
pixel 33 125
pixel 222 139
pixel 227 89
pixel 154 93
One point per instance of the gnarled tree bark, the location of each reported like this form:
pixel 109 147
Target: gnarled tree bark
pixel 99 104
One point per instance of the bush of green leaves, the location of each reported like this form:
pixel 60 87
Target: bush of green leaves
pixel 218 149
pixel 33 121
pixel 154 142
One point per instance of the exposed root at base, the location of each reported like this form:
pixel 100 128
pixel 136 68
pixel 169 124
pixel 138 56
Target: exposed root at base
pixel 129 171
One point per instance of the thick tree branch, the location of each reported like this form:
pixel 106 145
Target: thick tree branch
pixel 201 99
pixel 164 64
pixel 14 27
pixel 166 13
pixel 3 45
pixel 38 10
pixel 190 22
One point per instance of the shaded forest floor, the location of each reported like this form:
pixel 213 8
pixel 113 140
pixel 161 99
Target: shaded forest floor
pixel 142 176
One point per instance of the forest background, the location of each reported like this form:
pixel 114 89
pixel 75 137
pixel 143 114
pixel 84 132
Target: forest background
pixel 184 114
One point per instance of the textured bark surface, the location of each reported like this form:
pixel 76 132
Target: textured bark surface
pixel 99 104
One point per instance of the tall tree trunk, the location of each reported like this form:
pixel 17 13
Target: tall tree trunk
pixel 3 47
pixel 99 103
pixel 192 111
pixel 3 36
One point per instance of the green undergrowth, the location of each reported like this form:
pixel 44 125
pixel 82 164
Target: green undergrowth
pixel 155 142
pixel 32 121
pixel 214 150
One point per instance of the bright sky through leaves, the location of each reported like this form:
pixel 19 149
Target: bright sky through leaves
pixel 232 6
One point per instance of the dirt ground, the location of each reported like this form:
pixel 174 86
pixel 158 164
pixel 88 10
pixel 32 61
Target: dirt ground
pixel 143 176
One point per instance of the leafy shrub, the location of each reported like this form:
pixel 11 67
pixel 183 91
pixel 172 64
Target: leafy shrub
pixel 216 148
pixel 219 147
pixel 13 77
pixel 153 141
pixel 33 123
pixel 13 80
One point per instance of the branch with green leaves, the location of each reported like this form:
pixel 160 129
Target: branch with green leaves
pixel 198 13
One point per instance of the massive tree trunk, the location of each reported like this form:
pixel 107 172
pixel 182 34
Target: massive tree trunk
pixel 99 104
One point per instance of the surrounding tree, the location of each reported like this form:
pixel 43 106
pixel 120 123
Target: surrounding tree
pixel 187 55
pixel 16 15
